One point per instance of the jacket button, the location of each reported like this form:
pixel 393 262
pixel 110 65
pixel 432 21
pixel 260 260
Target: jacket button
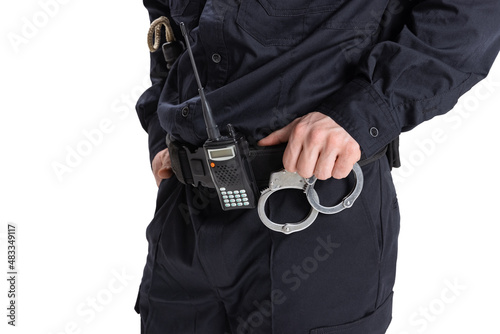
pixel 374 132
pixel 185 112
pixel 216 58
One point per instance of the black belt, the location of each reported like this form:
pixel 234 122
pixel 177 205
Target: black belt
pixel 189 163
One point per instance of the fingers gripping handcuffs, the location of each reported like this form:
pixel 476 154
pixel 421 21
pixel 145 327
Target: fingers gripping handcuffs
pixel 286 180
pixel 228 163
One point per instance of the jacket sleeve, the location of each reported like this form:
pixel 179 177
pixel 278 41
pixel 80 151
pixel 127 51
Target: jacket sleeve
pixel 147 104
pixel 444 48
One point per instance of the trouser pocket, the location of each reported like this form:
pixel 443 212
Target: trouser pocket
pixel 341 268
pixel 375 323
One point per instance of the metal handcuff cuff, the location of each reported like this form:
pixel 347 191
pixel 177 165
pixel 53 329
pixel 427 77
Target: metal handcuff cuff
pixel 286 180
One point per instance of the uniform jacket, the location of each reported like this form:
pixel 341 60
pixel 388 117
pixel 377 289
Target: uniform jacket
pixel 377 67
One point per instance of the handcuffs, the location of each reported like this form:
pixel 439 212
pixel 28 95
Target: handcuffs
pixel 286 180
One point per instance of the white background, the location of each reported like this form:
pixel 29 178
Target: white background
pixel 87 64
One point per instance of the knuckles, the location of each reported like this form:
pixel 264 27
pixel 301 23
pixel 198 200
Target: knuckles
pixel 322 175
pixel 352 150
pixel 318 137
pixel 320 132
pixel 300 130
pixel 305 173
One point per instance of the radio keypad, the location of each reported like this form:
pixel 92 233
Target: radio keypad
pixel 234 198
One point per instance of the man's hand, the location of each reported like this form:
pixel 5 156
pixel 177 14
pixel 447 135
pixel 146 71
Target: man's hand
pixel 317 146
pixel 162 167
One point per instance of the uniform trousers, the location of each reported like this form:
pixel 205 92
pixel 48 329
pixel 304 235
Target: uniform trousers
pixel 210 271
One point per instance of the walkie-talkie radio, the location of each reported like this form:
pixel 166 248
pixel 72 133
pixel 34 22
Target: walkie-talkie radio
pixel 226 156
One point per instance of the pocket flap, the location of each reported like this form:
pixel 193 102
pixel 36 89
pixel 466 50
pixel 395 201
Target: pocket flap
pixel 375 323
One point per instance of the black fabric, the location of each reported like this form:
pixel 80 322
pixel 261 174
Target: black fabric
pixel 393 154
pixel 384 64
pixel 215 272
pixel 369 324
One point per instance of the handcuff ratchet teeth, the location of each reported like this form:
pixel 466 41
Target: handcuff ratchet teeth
pixel 286 180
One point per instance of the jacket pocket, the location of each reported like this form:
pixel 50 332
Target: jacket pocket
pixel 298 7
pixel 375 323
pixel 282 23
pixel 266 26
pixel 287 23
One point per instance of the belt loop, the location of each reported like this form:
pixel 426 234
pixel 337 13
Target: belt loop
pixel 393 153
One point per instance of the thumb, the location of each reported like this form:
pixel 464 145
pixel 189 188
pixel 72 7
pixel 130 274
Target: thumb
pixel 165 170
pixel 277 137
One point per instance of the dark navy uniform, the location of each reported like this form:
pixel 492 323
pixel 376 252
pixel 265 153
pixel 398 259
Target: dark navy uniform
pixel 377 68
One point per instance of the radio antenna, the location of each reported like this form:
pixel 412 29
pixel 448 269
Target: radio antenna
pixel 212 128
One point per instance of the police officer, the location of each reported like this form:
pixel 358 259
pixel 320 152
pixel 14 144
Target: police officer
pixel 335 80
